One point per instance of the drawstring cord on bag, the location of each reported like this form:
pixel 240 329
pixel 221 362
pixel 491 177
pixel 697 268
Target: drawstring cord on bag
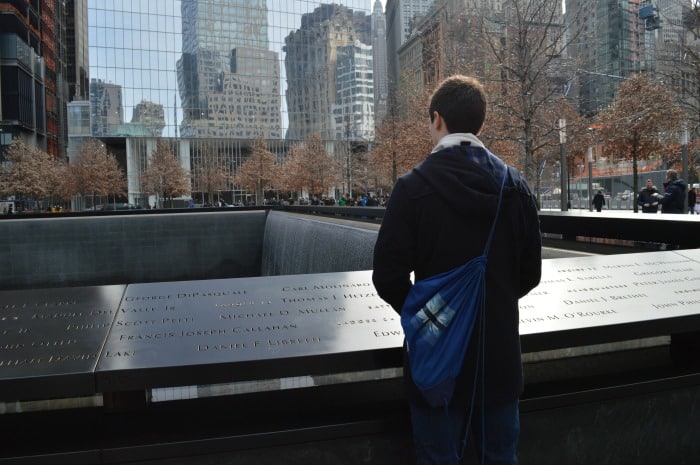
pixel 479 371
pixel 480 368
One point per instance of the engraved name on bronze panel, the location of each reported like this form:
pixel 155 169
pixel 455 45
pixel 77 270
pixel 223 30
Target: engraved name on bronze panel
pixel 201 323
pixel 50 339
pixel 607 290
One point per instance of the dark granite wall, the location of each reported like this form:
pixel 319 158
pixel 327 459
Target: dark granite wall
pixel 80 251
pixel 295 244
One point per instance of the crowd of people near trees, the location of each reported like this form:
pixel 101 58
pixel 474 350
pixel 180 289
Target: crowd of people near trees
pixel 42 183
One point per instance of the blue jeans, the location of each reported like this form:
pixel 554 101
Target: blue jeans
pixel 438 435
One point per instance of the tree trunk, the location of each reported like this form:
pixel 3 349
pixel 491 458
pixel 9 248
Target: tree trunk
pixel 635 181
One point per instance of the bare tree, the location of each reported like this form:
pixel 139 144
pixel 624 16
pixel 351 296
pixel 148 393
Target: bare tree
pixel 309 167
pixel 387 158
pixel 403 138
pixel 527 42
pixel 352 160
pixel 642 121
pixel 28 173
pixel 32 173
pixel 290 179
pixel 94 172
pixel 55 175
pixel 363 177
pixel 259 171
pixel 209 173
pixel 518 51
pixel 164 176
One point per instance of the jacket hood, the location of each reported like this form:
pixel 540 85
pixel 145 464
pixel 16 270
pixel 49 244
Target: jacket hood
pixel 676 182
pixel 464 184
pixel 680 182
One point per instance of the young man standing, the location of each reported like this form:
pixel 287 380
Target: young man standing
pixel 438 217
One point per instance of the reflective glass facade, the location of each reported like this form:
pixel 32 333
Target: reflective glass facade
pixel 221 68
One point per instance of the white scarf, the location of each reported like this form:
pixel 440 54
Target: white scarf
pixel 457 138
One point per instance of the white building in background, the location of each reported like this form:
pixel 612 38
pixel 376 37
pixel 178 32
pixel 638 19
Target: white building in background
pixel 311 62
pixel 353 111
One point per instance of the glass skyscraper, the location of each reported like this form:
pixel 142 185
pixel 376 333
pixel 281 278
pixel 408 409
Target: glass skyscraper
pixel 213 75
pixel 217 67
pixel 318 76
pixel 228 77
pixel 134 46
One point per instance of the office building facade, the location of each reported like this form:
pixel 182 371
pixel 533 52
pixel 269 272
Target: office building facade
pixel 353 111
pixel 311 63
pixel 106 110
pixel 400 15
pixel 151 116
pixel 78 58
pixel 33 73
pixel 228 78
pixel 611 49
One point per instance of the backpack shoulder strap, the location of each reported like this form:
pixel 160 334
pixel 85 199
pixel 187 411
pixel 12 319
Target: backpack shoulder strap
pixel 498 211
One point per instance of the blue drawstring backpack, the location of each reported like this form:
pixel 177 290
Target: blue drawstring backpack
pixel 438 319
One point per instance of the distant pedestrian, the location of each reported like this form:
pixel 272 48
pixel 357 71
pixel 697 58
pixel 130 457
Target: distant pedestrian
pixel 692 199
pixel 598 201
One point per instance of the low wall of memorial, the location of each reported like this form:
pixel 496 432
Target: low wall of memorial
pixel 122 249
pixel 144 246
pixel 305 361
pixel 119 249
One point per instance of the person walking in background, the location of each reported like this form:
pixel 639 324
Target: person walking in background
pixel 647 198
pixel 598 201
pixel 437 218
pixel 675 196
pixel 692 199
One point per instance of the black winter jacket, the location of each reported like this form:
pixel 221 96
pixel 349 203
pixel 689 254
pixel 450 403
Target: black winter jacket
pixel 675 197
pixel 438 220
pixel 648 196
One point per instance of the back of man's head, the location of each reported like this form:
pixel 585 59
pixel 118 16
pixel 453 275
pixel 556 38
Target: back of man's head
pixel 672 175
pixel 461 101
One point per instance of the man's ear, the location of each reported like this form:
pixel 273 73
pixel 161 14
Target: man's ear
pixel 439 122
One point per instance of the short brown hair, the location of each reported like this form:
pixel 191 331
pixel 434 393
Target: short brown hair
pixel 461 101
pixel 672 174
